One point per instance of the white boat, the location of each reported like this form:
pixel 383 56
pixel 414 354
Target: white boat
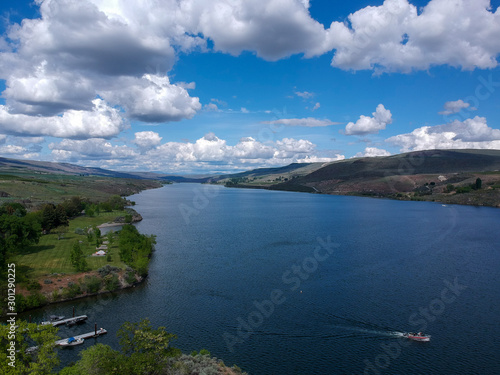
pixel 417 336
pixel 72 342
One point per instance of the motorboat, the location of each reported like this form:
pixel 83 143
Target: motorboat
pixel 417 336
pixel 72 342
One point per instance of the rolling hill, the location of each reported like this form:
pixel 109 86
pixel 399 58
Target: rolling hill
pixel 441 175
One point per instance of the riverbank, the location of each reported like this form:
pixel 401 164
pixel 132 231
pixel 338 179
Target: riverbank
pixel 46 274
pixel 458 189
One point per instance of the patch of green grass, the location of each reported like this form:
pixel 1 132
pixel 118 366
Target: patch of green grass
pixel 52 255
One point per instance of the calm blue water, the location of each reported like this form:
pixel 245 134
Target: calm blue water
pixel 243 274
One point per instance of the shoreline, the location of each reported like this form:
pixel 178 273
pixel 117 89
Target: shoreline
pixel 136 217
pixel 434 199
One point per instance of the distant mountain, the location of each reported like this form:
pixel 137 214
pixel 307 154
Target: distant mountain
pixel 443 175
pixel 13 165
pixel 20 166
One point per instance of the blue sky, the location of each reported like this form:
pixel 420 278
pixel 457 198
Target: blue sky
pixel 218 86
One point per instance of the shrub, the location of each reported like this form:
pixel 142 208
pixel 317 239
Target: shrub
pixel 47 281
pixel 72 290
pixel 91 284
pixel 130 278
pixel 107 269
pixel 55 295
pixel 33 286
pixel 35 300
pixel 111 282
pixel 80 231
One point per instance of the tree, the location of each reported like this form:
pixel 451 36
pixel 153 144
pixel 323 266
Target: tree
pixel 144 350
pixel 148 349
pixel 13 208
pixel 41 362
pixel 77 258
pixel 479 183
pixel 16 234
pixel 99 359
pixel 52 217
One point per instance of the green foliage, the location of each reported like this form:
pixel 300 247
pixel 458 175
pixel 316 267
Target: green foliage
pixel 13 208
pixel 77 258
pixel 35 299
pixel 28 335
pixel 236 181
pixel 106 270
pixel 144 350
pixel 53 216
pixel 105 207
pixel 128 218
pixel 99 359
pixel 130 278
pixel 91 284
pixel 463 189
pixel 449 188
pixel 111 282
pixel 72 290
pixel 34 286
pixel 80 231
pixel 110 236
pixel 148 349
pixel 479 183
pixel 136 248
pixel 55 295
pixel 17 234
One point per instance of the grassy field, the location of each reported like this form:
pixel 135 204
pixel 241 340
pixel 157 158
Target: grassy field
pixel 35 189
pixel 52 255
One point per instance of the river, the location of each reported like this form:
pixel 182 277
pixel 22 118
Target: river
pixel 295 283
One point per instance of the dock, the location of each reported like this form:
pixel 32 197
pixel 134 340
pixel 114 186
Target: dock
pixel 95 333
pixel 64 321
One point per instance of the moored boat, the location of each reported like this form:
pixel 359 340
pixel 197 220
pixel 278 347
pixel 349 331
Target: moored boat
pixel 72 342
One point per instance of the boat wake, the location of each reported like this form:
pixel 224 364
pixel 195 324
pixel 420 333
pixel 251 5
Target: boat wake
pixel 376 332
pixel 366 327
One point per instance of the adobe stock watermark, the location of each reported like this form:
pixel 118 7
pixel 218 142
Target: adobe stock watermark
pixel 292 280
pixel 268 133
pixel 483 91
pixel 201 199
pixel 407 166
pixel 420 320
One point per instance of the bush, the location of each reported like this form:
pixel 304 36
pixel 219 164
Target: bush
pixel 130 278
pixel 55 295
pixel 47 281
pixel 107 269
pixel 91 284
pixel 33 286
pixel 464 189
pixel 80 231
pixel 72 290
pixel 35 300
pixel 111 282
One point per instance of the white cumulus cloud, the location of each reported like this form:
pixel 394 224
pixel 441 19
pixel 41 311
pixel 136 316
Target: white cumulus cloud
pixel 471 133
pixel 370 125
pixel 102 121
pixel 455 107
pixel 372 152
